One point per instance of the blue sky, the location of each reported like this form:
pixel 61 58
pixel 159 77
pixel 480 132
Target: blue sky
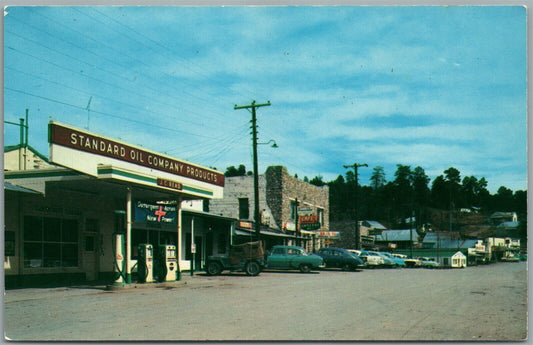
pixel 428 86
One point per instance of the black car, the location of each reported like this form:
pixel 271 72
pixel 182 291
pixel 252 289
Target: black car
pixel 340 258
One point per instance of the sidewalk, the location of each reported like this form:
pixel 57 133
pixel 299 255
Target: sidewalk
pixel 34 293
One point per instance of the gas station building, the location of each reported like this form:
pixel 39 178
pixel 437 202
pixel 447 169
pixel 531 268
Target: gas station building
pixel 62 218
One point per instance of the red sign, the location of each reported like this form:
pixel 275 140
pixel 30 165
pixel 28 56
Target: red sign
pixel 97 145
pixel 245 225
pixel 311 219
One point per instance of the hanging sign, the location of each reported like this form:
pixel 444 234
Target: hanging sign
pixel 309 222
pixel 149 213
pixel 329 234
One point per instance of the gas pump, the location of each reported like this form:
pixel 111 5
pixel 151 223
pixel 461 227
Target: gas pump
pixel 167 266
pixel 145 264
pixel 119 266
pixel 120 263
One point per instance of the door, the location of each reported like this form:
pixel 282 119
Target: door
pixel 198 260
pixel 89 256
pixel 90 248
pixel 278 258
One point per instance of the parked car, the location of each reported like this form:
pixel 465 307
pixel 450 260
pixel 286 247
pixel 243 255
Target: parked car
pixel 398 262
pixel 340 258
pixel 400 256
pixel 412 262
pixel 387 262
pixel 512 257
pixel 370 260
pixel 428 263
pixel 247 257
pixel 293 258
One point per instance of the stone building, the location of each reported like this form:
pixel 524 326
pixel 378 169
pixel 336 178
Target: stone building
pixel 292 211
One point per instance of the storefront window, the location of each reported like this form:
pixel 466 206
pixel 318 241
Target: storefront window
pixel 50 242
pixel 244 208
pixel 320 214
pixel 294 209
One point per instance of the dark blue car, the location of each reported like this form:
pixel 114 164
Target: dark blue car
pixel 340 258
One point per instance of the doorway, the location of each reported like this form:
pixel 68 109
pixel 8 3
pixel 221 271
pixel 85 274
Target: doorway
pixel 90 245
pixel 198 259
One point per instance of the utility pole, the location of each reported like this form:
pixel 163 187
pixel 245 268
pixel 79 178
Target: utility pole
pixel 23 146
pixel 355 166
pixel 257 217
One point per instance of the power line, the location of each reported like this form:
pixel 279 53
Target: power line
pixel 165 48
pixel 151 124
pixel 127 68
pixel 103 97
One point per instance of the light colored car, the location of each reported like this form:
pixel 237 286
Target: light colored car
pixel 428 262
pixel 387 262
pixel 370 260
pixel 398 262
pixel 412 262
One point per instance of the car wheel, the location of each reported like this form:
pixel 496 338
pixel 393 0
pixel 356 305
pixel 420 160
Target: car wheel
pixel 346 267
pixel 305 268
pixel 213 268
pixel 252 268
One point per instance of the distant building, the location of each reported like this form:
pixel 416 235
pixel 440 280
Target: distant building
pixel 498 218
pixel 397 239
pixel 367 230
pixel 24 157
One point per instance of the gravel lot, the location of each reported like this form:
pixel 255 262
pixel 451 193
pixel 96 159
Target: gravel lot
pixel 483 303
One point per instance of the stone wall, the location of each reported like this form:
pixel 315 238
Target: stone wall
pixel 276 190
pixel 243 187
pixel 283 188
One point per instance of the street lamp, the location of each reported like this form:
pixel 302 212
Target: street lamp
pixel 355 166
pixel 274 145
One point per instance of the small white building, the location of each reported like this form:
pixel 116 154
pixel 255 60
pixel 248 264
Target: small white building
pixel 457 260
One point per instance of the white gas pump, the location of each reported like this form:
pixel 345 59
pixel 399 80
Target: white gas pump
pixel 119 260
pixel 145 264
pixel 167 266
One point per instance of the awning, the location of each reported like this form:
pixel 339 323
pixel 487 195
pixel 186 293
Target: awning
pixel 248 232
pixel 14 188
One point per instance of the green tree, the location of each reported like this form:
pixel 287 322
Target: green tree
pixel 439 192
pixel 232 171
pixel 420 186
pixel 378 178
pixel 453 182
pixel 468 190
pixel 317 181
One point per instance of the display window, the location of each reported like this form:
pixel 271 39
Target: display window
pixel 50 242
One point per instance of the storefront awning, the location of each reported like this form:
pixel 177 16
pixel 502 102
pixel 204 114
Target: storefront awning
pixel 247 232
pixel 14 188
pixel 205 215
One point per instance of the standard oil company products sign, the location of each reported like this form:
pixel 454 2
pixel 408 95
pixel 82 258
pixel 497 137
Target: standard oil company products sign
pixel 103 157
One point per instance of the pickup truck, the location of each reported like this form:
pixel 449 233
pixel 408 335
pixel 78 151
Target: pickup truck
pixel 247 257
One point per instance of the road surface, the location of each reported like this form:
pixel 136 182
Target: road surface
pixel 487 303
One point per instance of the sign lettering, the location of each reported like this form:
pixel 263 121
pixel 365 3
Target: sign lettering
pixel 86 142
pixel 169 184
pixel 149 213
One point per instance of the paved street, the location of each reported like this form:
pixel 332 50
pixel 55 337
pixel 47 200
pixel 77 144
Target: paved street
pixel 486 303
